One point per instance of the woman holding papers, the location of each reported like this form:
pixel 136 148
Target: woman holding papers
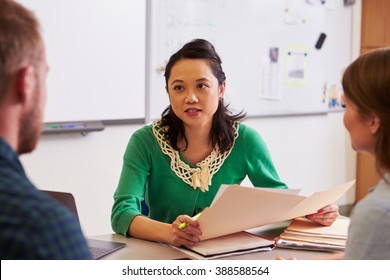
pixel 178 163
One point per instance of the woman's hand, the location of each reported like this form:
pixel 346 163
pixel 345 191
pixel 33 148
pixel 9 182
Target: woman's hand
pixel 325 216
pixel 186 236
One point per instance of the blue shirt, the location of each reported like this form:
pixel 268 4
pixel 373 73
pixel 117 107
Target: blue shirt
pixel 32 225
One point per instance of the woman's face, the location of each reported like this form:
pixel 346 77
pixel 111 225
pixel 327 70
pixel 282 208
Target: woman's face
pixel 194 92
pixel 361 130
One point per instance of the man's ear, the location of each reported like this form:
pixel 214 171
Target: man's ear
pixel 25 82
pixel 375 124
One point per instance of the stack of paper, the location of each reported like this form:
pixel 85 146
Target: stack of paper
pixel 307 235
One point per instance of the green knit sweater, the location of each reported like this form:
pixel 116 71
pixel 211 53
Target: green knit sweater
pixel 146 175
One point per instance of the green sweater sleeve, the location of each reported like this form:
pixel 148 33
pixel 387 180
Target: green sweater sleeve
pixel 131 187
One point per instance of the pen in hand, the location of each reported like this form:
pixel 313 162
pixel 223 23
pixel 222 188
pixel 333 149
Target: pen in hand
pixel 183 225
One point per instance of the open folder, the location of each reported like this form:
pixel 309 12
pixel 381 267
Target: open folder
pixel 240 208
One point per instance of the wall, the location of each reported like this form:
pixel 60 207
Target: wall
pixel 310 152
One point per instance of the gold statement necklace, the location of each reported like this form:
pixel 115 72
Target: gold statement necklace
pixel 200 176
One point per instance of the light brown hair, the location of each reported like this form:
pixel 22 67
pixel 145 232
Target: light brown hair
pixel 20 40
pixel 366 83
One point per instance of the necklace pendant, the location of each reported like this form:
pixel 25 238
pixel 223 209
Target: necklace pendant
pixel 201 178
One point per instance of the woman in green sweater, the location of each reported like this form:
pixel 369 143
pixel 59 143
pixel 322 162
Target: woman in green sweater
pixel 178 163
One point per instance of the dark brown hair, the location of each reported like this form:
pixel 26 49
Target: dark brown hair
pixel 222 130
pixel 366 83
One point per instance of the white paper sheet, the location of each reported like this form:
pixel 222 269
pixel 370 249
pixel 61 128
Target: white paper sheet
pixel 240 208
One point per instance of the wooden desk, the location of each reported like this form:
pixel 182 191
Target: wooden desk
pixel 138 249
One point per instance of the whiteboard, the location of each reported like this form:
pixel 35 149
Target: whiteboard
pixel 244 34
pixel 96 55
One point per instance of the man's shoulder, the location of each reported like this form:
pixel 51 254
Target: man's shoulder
pixel 36 226
pixel 32 205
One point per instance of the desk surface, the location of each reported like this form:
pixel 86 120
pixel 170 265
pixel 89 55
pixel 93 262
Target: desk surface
pixel 138 249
